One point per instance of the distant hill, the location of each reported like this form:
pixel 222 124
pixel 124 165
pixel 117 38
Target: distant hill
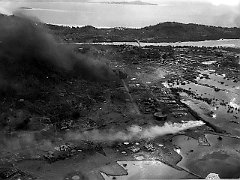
pixel 25 8
pixel 127 2
pixel 162 32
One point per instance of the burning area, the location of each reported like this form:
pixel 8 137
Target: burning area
pixel 64 112
pixel 134 132
pixel 30 56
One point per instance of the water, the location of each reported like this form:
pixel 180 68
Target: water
pixel 149 170
pixel 223 110
pixel 117 15
pixel 220 154
pixel 235 43
pixel 221 157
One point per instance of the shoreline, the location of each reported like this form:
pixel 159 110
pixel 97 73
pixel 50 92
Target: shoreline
pixel 203 43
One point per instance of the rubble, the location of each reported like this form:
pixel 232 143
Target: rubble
pixel 76 104
pixel 160 117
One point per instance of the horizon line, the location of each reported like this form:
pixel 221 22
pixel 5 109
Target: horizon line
pixel 132 27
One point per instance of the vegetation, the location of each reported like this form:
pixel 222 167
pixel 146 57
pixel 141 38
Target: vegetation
pixel 163 32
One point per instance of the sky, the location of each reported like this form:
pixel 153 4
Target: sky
pixel 84 12
pixel 214 2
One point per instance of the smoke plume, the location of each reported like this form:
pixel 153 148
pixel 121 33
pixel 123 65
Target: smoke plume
pixel 27 49
pixel 32 140
pixel 133 133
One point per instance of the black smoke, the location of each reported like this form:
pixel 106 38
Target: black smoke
pixel 29 52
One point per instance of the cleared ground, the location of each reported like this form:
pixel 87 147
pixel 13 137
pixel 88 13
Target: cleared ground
pixel 79 129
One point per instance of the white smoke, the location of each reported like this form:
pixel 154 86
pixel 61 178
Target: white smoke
pixel 31 141
pixel 24 140
pixel 133 132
